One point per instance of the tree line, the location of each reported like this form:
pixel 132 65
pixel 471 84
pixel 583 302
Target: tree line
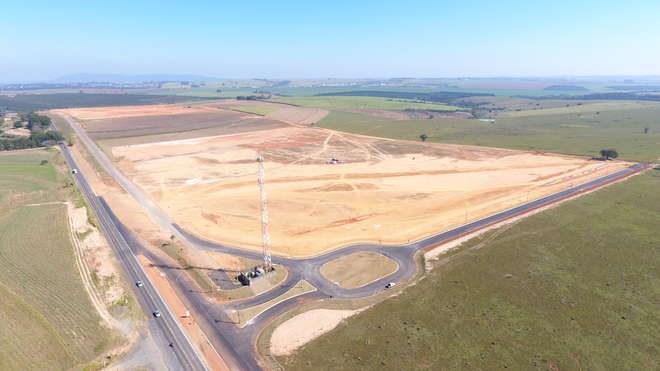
pixel 36 139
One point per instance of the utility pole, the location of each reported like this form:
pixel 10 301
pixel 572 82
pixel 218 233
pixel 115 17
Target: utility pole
pixel 264 214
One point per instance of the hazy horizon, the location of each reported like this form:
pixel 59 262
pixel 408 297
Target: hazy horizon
pixel 302 40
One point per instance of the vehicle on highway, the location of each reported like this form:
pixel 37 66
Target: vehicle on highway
pixel 390 285
pixel 157 314
pixel 139 284
pixel 74 171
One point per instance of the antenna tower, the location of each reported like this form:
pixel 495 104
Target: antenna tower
pixel 264 213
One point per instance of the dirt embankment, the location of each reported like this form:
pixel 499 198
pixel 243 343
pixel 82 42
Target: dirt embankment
pixel 305 327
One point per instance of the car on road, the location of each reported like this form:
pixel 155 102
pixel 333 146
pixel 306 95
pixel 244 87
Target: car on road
pixel 139 284
pixel 390 285
pixel 157 314
pixel 74 171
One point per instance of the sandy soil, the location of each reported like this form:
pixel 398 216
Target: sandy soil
pixel 189 324
pixel 305 327
pixel 382 190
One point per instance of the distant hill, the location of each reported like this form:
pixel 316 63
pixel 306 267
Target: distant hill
pixel 636 87
pixel 438 96
pixel 117 78
pixel 565 88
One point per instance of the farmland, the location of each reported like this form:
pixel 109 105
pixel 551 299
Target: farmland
pixel 48 319
pixel 577 130
pixel 113 126
pixel 573 287
pixel 363 103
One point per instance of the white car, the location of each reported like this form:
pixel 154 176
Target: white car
pixel 390 285
pixel 74 171
pixel 157 314
pixel 139 284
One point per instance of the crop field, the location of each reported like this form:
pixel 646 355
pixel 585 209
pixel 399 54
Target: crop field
pixel 363 103
pixel 48 322
pixel 576 130
pixel 134 121
pixel 574 287
pixel 379 190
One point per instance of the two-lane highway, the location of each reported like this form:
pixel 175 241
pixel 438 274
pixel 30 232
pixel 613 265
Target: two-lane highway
pixel 173 338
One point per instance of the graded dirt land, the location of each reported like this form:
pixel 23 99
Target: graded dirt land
pixel 379 190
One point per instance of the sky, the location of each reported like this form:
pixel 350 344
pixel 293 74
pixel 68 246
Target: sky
pixel 42 40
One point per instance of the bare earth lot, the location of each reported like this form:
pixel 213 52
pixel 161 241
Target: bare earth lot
pixel 384 190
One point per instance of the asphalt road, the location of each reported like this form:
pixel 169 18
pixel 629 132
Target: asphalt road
pixel 237 345
pixel 150 300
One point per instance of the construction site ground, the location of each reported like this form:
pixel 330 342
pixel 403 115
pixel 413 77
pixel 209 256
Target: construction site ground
pixel 327 189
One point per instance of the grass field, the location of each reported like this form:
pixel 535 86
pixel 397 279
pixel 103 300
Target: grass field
pixel 343 117
pixel 574 287
pixel 362 103
pixel 48 321
pixel 569 130
pixel 257 110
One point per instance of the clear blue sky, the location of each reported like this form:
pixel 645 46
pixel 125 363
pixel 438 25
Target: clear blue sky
pixel 42 40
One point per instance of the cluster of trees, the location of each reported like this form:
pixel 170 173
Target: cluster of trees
pixel 40 135
pixel 36 139
pixel 253 97
pixel 35 122
pixel 609 153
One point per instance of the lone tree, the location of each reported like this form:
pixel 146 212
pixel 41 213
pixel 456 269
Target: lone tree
pixel 609 153
pixel 423 137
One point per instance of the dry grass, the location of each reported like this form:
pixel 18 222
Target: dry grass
pixel 358 269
